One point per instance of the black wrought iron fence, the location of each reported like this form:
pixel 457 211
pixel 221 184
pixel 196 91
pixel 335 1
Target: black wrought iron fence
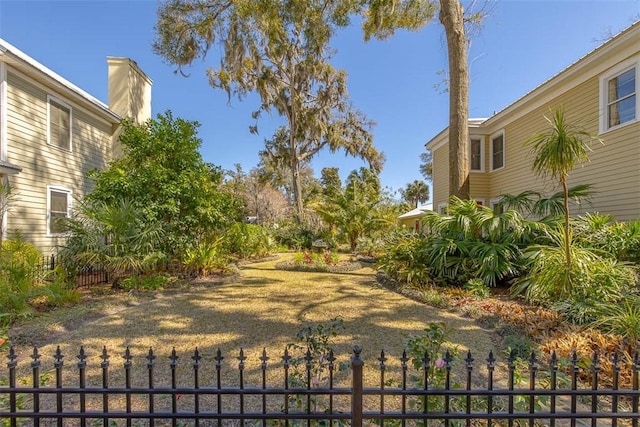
pixel 410 398
pixel 85 275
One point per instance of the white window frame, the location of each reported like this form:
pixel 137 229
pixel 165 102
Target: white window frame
pixel 59 189
pixel 504 150
pixel 481 138
pixel 442 206
pixel 604 89
pixel 65 105
pixel 494 202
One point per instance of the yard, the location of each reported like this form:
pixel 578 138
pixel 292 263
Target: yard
pixel 257 313
pixel 263 308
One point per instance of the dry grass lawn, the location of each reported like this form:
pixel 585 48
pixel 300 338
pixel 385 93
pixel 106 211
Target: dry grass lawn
pixel 263 309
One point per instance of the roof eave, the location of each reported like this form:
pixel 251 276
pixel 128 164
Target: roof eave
pixel 23 62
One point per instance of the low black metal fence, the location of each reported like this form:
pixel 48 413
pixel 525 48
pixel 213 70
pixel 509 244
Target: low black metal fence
pixel 86 275
pixel 310 392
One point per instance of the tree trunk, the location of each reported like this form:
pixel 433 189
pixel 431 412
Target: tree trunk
pixel 296 185
pixel 567 243
pixel 451 17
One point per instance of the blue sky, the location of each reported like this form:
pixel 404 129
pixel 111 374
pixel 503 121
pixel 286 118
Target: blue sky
pixel 394 82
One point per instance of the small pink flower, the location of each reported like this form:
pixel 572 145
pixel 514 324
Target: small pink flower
pixel 440 362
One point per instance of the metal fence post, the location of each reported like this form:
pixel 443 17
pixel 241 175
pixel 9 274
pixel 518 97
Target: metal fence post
pixel 357 387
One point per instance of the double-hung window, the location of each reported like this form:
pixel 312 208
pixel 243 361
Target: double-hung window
pixel 476 151
pixel 497 151
pixel 59 124
pixel 58 206
pixel 618 96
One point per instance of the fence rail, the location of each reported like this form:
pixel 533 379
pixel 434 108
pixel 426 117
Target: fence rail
pixel 414 397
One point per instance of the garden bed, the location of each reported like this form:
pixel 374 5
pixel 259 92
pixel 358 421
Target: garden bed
pixel 340 267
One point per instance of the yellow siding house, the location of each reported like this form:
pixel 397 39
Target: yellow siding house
pixel 52 133
pixel 599 93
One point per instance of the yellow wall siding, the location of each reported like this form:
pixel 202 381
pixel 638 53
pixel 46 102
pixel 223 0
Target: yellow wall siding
pixel 613 169
pixel 44 164
pixel 440 176
pixel 480 182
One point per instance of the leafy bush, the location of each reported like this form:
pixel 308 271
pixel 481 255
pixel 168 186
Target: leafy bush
pixel 478 288
pixel 435 298
pixel 621 318
pixel 312 354
pixel 248 241
pixel 516 343
pixel 296 236
pixel 619 239
pixel 205 257
pixel 146 283
pixel 56 291
pixel 20 275
pixel 591 273
pixel 405 258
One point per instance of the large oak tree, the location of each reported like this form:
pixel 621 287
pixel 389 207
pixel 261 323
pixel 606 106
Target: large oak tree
pixel 280 50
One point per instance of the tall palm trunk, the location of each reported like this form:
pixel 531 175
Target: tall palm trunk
pixel 567 243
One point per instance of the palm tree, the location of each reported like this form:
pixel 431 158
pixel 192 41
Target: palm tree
pixel 112 236
pixel 354 210
pixel 532 202
pixel 557 152
pixel 415 192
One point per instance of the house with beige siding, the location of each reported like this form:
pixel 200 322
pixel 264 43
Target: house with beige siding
pixel 52 133
pixel 412 220
pixel 598 93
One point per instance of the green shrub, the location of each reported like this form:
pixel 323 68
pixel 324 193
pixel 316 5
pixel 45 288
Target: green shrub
pixel 435 298
pixel 296 236
pixel 515 341
pixel 580 311
pixel 478 288
pixel 248 241
pixel 205 257
pixel 619 239
pixel 621 318
pixel 58 291
pixel 591 274
pixel 20 276
pixel 405 258
pixel 146 283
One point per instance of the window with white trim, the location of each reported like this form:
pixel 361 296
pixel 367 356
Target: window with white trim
pixel 496 205
pixel 619 97
pixel 497 151
pixel 442 207
pixel 476 154
pixel 59 123
pixel 58 206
